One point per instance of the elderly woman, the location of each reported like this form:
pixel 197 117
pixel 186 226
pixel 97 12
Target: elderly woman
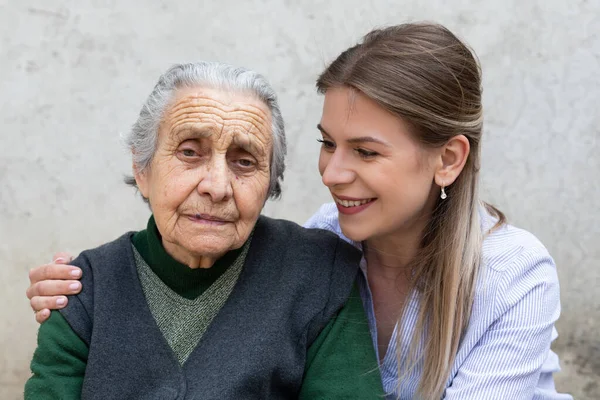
pixel 212 300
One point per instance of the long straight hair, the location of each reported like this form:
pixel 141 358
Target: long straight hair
pixel 423 74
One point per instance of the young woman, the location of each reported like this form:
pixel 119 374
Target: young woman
pixel 461 304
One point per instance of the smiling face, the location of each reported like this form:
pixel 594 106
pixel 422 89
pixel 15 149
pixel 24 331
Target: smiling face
pixel 381 179
pixel 209 177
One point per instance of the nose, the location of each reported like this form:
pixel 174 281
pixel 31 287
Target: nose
pixel 217 181
pixel 336 170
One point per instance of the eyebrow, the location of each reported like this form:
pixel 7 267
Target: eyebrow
pixel 359 139
pixel 245 141
pixel 249 143
pixel 191 132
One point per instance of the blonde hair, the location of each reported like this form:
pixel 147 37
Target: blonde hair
pixel 423 74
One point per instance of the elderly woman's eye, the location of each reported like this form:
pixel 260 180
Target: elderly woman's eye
pixel 246 163
pixel 188 152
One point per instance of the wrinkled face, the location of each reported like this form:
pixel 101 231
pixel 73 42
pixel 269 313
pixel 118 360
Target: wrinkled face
pixel 209 178
pixel 379 177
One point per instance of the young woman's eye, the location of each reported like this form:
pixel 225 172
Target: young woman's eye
pixel 366 153
pixel 326 144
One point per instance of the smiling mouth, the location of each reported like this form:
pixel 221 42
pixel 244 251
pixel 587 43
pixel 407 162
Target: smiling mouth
pixel 347 203
pixel 351 206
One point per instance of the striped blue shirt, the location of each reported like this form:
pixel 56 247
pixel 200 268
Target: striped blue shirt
pixel 505 352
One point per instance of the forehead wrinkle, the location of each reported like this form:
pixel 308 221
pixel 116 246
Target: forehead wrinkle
pixel 193 129
pixel 236 124
pixel 244 116
pixel 249 128
pixel 245 120
pixel 186 122
pixel 241 134
pixel 204 116
pixel 182 121
pixel 220 108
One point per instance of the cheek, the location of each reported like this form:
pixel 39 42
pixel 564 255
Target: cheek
pixel 250 195
pixel 407 181
pixel 174 186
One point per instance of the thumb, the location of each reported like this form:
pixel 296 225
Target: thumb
pixel 62 258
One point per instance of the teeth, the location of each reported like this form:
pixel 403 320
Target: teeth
pixel 350 203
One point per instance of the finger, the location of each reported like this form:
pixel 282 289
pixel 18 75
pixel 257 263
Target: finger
pixel 62 258
pixel 53 271
pixel 42 316
pixel 40 303
pixel 53 288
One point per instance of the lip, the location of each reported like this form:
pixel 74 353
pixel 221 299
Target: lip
pixel 350 198
pixel 207 219
pixel 352 210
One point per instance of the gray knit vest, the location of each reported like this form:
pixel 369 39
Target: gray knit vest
pixel 292 283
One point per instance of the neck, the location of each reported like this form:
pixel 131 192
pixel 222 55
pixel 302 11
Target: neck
pixel 391 255
pixel 183 256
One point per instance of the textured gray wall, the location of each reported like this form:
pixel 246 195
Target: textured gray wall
pixel 74 73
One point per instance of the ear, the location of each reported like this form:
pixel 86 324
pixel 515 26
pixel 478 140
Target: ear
pixel 453 157
pixel 141 180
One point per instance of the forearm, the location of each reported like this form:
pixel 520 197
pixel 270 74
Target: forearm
pixel 59 362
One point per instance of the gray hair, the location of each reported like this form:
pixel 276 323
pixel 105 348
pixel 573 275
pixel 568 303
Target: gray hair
pixel 142 137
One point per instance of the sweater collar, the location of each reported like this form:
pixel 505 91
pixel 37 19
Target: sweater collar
pixel 183 280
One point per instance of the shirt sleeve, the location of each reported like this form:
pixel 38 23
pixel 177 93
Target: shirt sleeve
pixel 59 362
pixel 513 355
pixel 341 362
pixel 324 218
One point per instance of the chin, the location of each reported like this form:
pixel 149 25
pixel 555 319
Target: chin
pixel 354 234
pixel 211 246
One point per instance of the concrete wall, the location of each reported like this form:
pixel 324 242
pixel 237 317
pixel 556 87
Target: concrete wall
pixel 74 73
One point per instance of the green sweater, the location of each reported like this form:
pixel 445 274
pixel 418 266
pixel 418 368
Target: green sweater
pixel 341 363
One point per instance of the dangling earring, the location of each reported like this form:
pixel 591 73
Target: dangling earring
pixel 443 195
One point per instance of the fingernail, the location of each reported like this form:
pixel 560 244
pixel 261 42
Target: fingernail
pixel 61 301
pixel 76 273
pixel 59 260
pixel 74 286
